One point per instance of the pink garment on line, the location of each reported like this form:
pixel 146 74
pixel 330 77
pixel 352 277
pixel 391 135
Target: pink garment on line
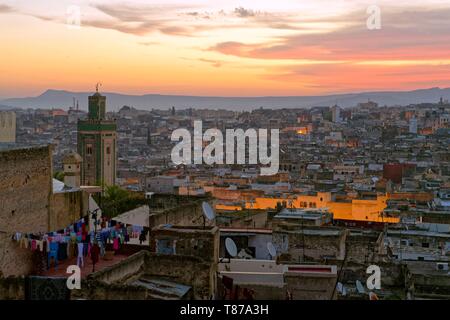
pixel 116 244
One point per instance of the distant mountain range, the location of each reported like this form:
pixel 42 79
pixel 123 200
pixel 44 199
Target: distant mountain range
pixel 64 99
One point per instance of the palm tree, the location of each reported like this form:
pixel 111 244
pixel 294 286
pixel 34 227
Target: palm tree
pixel 59 175
pixel 113 200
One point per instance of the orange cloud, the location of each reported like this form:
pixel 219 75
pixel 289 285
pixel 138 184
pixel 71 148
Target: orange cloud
pixel 342 77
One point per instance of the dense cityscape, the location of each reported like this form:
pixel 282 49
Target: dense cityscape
pixel 226 156
pixel 357 186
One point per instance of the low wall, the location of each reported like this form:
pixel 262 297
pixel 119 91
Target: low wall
pixel 121 271
pixel 12 288
pixel 187 270
pixel 113 282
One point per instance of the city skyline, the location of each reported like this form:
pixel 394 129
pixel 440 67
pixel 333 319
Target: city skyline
pixel 237 48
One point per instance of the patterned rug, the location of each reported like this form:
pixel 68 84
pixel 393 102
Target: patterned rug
pixel 47 288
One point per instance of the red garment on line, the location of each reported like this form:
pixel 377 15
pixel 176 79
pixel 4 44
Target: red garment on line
pixel 95 252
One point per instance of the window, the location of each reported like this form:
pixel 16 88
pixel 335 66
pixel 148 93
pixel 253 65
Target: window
pixel 164 246
pixel 420 258
pixel 108 150
pixel 425 245
pixel 89 149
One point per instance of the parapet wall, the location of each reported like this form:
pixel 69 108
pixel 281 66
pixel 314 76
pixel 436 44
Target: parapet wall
pixel 25 195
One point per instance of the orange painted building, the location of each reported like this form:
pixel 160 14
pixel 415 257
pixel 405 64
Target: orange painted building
pixel 354 209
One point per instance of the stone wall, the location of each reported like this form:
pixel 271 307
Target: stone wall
pixel 12 288
pixel 187 270
pixel 364 246
pixel 7 126
pixel 122 271
pixel 67 207
pixel 112 282
pixel 187 214
pixel 25 195
pixel 429 286
pixel 310 287
pixel 391 273
pixel 256 219
pixel 177 210
pixel 189 241
pixel 311 243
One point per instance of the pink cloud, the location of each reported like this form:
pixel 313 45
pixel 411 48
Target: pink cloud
pixel 406 35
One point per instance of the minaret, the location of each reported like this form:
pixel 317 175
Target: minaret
pixel 97 144
pixel 97 106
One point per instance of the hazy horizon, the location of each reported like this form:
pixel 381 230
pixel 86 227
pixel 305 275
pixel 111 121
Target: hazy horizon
pixel 64 99
pixel 212 96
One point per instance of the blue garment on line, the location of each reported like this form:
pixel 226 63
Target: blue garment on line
pixel 85 249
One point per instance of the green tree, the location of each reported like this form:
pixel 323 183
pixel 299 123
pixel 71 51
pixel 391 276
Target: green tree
pixel 59 175
pixel 116 200
pixel 112 200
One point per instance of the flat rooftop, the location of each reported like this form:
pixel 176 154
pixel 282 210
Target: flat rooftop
pixel 60 270
pixel 6 146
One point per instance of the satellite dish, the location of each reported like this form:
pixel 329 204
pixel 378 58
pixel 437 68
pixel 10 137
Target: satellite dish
pixel 360 287
pixel 231 247
pixel 271 249
pixel 208 212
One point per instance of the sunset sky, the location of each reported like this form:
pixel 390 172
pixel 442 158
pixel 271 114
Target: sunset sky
pixel 226 48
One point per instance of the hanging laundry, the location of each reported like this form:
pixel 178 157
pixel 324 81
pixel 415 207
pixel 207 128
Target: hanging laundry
pixel 95 251
pixel 80 258
pixel 116 244
pixel 62 251
pixel 52 254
